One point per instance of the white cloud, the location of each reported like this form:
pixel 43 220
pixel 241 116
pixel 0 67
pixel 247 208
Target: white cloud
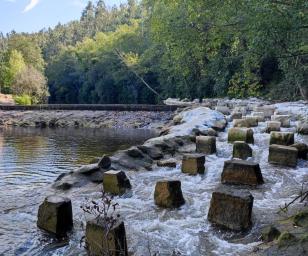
pixel 31 5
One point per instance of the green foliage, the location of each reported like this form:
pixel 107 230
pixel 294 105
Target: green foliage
pixel 30 82
pixel 22 100
pixel 13 67
pixel 186 49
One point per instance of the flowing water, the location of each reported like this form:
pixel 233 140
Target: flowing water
pixel 30 162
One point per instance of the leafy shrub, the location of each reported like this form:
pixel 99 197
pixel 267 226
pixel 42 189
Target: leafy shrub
pixel 23 99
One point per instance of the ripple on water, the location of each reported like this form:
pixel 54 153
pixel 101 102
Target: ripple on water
pixel 149 228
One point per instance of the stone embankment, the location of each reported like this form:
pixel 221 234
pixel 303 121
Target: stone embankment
pixel 189 139
pixel 83 118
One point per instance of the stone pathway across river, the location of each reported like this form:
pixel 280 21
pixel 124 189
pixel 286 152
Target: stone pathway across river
pixel 234 185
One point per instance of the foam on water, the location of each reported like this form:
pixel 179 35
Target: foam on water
pixel 186 230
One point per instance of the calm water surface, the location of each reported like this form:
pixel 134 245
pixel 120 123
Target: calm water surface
pixel 31 159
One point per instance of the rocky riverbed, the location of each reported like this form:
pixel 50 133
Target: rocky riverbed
pixel 84 119
pixel 187 230
pixel 156 158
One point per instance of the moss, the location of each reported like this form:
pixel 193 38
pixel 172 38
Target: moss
pixel 270 233
pixel 286 239
pixel 301 219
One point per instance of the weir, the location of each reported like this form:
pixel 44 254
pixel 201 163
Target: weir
pixel 93 107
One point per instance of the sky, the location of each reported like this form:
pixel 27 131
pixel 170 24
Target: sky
pixel 33 15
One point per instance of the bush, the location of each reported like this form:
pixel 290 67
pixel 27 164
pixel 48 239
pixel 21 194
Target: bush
pixel 23 100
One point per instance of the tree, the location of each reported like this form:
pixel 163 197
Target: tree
pixel 30 82
pixel 29 49
pixel 12 68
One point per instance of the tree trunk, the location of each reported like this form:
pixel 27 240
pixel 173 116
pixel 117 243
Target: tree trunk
pixel 304 92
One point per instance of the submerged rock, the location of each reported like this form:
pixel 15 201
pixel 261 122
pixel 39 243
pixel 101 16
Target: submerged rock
pixel 171 163
pixel 240 172
pixel 231 208
pixel 87 169
pixel 55 215
pixel 168 194
pixel 105 239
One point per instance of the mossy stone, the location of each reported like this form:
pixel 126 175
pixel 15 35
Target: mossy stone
pixel 116 182
pixel 270 233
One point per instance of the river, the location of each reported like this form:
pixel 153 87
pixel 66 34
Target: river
pixel 31 160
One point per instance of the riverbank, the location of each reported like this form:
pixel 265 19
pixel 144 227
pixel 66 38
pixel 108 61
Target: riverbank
pixel 84 119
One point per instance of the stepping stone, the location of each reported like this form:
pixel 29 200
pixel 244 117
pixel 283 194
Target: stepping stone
pixel 283 155
pixel 302 128
pixel 168 194
pixel 55 215
pixel 259 115
pixel 251 120
pixel 171 163
pixel 302 150
pixel 241 150
pixel 236 115
pixel 101 239
pixel 266 109
pixel 241 109
pixel 272 126
pixel 193 164
pixel 115 182
pixel 284 119
pixel 240 134
pixel 223 109
pixel 240 172
pixel 241 123
pixel 282 138
pixel 231 208
pixel 206 144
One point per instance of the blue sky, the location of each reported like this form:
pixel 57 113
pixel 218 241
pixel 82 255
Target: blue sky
pixel 33 15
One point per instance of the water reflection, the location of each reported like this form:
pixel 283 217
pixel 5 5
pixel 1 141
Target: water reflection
pixel 30 159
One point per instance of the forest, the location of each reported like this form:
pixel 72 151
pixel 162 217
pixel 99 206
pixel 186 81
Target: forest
pixel 146 51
